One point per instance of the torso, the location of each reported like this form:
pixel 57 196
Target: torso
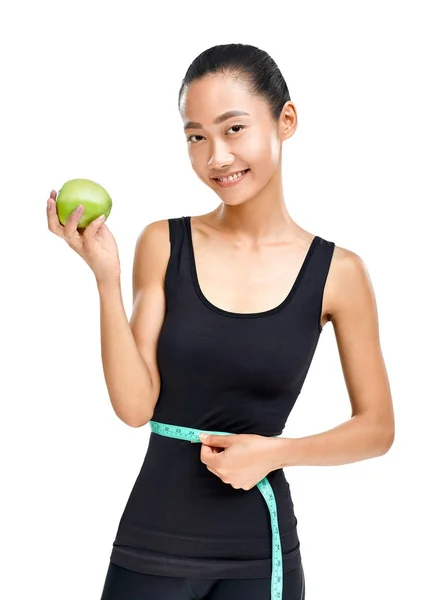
pixel 250 281
pixel 222 372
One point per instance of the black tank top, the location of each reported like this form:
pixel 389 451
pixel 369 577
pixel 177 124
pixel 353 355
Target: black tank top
pixel 220 371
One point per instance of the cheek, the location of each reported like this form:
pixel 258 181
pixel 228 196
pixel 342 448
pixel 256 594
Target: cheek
pixel 274 149
pixel 262 150
pixel 191 157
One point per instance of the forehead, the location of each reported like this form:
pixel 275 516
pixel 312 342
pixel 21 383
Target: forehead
pixel 213 95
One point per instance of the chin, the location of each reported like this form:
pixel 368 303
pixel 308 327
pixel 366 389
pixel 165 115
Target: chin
pixel 233 201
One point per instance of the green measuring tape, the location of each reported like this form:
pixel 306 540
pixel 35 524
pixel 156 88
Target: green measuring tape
pixel 264 486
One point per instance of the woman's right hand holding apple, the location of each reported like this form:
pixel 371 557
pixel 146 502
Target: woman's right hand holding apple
pixel 96 244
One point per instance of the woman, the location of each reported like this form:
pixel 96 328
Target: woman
pixel 228 310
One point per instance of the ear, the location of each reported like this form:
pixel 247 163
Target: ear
pixel 288 121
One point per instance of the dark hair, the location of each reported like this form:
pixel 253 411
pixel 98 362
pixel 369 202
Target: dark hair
pixel 251 65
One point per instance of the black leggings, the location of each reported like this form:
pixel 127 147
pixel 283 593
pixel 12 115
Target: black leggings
pixel 125 584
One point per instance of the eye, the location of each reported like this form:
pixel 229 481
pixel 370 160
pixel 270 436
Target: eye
pixel 200 136
pixel 191 136
pixel 241 126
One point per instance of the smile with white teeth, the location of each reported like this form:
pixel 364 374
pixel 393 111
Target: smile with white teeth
pixel 231 177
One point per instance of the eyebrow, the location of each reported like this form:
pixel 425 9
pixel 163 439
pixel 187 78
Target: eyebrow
pixel 223 117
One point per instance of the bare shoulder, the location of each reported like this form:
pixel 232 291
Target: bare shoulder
pixel 152 252
pixel 346 264
pixel 156 233
pixel 348 283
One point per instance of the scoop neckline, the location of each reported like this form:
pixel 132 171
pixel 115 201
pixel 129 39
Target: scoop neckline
pixel 227 313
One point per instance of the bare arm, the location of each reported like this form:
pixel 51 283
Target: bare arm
pixel 370 431
pixel 128 349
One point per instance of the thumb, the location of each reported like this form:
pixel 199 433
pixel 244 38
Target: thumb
pixel 94 226
pixel 222 441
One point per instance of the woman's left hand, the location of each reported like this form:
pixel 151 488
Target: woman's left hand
pixel 246 460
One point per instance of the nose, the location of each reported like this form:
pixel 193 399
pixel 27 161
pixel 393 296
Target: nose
pixel 220 158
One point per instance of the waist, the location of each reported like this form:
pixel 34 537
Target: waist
pixel 175 482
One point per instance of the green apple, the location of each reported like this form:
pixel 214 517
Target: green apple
pixel 91 195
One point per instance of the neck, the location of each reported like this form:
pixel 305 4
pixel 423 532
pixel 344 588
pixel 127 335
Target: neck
pixel 259 218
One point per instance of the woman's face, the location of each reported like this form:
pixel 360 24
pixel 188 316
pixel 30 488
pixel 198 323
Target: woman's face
pixel 251 141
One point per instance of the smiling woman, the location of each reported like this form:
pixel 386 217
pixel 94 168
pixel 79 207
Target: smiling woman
pixel 228 310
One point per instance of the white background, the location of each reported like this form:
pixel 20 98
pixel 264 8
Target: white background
pixel 89 89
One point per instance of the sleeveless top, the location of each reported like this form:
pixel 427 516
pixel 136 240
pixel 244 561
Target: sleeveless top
pixel 220 371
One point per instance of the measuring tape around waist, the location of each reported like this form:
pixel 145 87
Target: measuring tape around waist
pixel 192 435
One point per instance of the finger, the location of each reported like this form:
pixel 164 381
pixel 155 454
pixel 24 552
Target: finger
pixel 53 222
pixel 70 228
pixel 214 471
pixel 93 227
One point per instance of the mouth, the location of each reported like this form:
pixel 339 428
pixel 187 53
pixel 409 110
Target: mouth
pixel 230 182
